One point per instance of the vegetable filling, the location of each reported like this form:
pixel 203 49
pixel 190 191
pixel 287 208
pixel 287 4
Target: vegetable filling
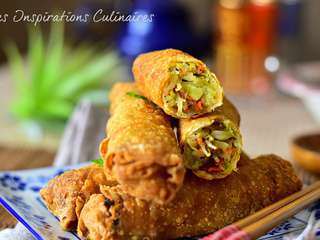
pixel 213 149
pixel 193 89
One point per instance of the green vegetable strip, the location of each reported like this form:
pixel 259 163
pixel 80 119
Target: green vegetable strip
pixel 98 161
pixel 136 95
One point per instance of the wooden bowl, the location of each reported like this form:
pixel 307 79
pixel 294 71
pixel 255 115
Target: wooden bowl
pixel 305 150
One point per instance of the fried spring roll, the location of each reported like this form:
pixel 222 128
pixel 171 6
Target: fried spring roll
pixel 212 144
pixel 200 207
pixel 180 84
pixel 66 194
pixel 141 151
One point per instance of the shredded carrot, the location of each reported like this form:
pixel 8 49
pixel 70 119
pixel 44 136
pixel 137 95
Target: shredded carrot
pixel 200 69
pixel 214 169
pixel 104 146
pixel 188 97
pixel 183 71
pixel 110 161
pixel 196 107
pixel 182 94
pixel 200 140
pixel 229 150
pixel 199 105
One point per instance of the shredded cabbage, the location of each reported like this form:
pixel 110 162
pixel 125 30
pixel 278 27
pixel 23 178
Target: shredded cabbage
pixel 217 146
pixel 222 135
pixel 192 90
pixel 200 90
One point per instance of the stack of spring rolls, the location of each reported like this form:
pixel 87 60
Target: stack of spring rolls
pixel 158 183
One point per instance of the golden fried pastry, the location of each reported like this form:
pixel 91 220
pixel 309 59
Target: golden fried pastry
pixel 180 84
pixel 141 150
pixel 200 206
pixel 66 194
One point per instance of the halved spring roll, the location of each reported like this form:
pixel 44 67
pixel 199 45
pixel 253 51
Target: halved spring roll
pixel 180 84
pixel 200 206
pixel 141 150
pixel 212 143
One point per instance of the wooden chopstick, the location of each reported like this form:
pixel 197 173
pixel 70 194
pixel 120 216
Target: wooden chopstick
pixel 268 210
pixel 264 224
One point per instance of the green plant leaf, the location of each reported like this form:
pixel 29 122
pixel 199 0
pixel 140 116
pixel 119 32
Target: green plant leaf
pixel 76 59
pixel 54 58
pixel 36 61
pixel 96 69
pixel 23 107
pixel 58 76
pixel 56 109
pixel 73 61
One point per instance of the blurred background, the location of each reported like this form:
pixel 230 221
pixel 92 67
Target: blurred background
pixel 266 53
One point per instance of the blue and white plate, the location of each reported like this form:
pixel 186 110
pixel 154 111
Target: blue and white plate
pixel 19 194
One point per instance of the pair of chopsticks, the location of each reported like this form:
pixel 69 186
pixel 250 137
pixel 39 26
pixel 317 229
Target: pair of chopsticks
pixel 261 222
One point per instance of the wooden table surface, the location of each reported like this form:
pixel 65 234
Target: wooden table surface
pixel 14 159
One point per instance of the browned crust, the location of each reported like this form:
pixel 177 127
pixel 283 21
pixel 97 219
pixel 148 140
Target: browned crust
pixel 94 220
pixel 229 111
pixel 141 152
pixel 66 194
pixel 200 206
